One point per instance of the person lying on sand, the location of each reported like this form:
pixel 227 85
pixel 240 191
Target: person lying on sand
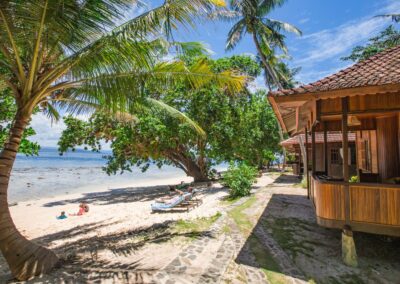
pixel 83 208
pixel 169 200
pixel 62 216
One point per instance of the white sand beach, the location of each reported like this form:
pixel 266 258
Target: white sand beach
pixel 114 214
pixel 111 209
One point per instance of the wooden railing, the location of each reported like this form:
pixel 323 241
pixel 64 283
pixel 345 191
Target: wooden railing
pixel 373 208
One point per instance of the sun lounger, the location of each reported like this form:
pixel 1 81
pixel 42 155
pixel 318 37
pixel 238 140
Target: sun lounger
pixel 185 201
pixel 163 206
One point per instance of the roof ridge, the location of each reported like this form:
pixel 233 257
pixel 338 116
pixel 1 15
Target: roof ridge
pixel 379 69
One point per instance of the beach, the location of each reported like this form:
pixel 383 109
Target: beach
pixel 111 209
pixel 118 215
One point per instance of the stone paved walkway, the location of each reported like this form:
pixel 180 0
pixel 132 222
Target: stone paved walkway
pixel 213 258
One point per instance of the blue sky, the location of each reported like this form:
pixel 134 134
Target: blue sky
pixel 331 28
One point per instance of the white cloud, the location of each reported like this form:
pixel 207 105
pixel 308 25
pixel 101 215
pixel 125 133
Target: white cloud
pixel 333 43
pixel 47 133
pixel 314 75
pixel 326 46
pixel 304 20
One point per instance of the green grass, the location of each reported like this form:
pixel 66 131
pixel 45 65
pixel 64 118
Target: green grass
pixel 285 230
pixel 241 219
pixel 263 257
pixel 230 200
pixel 196 225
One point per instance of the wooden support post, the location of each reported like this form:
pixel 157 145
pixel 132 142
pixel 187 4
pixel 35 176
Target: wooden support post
pixel 314 151
pixel 325 149
pixel 349 253
pixel 306 165
pixel 345 148
pixel 345 109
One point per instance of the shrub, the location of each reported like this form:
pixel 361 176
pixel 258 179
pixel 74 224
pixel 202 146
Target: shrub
pixel 353 179
pixel 304 182
pixel 239 179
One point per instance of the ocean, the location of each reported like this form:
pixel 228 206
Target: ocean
pixel 50 174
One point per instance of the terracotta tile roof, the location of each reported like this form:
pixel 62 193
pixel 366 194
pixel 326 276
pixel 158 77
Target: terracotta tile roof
pixel 334 136
pixel 380 69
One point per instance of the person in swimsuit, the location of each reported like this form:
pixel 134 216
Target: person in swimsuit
pixel 62 216
pixel 83 208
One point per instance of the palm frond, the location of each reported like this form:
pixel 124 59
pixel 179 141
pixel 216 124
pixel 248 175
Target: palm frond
pixel 236 34
pixel 279 25
pixel 177 114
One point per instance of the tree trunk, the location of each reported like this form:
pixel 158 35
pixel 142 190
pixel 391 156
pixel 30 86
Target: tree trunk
pixel 24 258
pixel 198 174
pixel 192 168
pixel 269 70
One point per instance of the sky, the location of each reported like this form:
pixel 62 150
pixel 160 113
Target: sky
pixel 331 28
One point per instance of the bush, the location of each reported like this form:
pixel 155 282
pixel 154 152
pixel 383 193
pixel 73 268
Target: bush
pixel 304 182
pixel 239 179
pixel 354 179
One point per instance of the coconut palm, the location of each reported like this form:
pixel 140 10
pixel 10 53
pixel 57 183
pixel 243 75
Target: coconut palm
pixel 266 32
pixel 71 54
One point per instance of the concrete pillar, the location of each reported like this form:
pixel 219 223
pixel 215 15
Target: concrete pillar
pixel 349 254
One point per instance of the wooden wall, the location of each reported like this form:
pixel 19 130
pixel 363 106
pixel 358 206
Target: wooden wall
pixel 360 104
pixel 375 204
pixel 373 208
pixel 329 200
pixel 388 147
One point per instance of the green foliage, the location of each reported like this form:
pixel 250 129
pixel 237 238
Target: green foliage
pixel 303 182
pixel 7 113
pixel 65 55
pixel 239 179
pixel 354 179
pixel 238 127
pixel 388 38
pixel 196 225
pixel 243 64
pixel 253 19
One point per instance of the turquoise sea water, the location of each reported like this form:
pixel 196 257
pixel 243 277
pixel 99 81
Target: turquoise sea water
pixel 50 174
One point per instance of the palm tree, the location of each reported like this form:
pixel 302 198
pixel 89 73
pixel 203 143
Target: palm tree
pixel 266 33
pixel 71 54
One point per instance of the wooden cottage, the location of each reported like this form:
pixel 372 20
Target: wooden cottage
pixel 364 99
pixel 331 159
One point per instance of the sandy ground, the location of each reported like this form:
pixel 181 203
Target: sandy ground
pixel 116 217
pixel 115 209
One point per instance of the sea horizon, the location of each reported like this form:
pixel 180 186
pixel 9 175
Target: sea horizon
pixel 49 175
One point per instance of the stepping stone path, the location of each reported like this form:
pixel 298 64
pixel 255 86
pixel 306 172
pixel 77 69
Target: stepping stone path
pixel 206 259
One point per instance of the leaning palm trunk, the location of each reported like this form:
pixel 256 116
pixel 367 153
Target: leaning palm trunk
pixel 271 72
pixel 24 258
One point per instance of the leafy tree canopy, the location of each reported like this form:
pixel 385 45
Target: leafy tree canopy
pixel 238 127
pixel 8 109
pixel 390 37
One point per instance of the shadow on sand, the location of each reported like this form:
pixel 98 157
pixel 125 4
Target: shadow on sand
pixel 125 195
pixel 81 259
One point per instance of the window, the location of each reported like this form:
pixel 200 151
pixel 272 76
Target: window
pixel 335 156
pixel 366 157
pixel 353 154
